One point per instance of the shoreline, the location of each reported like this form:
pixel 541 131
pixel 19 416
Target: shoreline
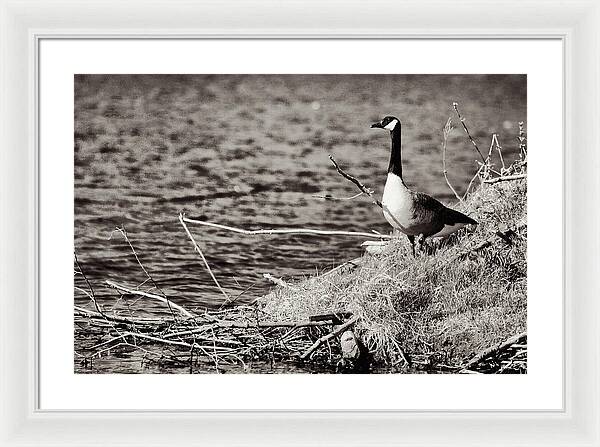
pixel 430 308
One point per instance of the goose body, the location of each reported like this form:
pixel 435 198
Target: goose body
pixel 414 213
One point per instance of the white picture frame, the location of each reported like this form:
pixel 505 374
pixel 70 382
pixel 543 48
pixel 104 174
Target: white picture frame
pixel 23 24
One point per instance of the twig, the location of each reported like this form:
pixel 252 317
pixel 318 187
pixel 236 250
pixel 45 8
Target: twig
pixel 522 141
pixel 182 220
pixel 330 197
pixel 505 178
pixel 235 298
pixel 447 129
pixel 329 336
pixel 91 295
pixel 174 342
pixel 85 292
pixel 365 190
pixel 489 155
pixel 356 181
pixel 307 231
pixel 117 319
pixel 484 168
pixel 481 165
pixel 499 149
pixel 107 342
pixel 124 233
pixel 462 121
pixel 271 324
pixel 493 349
pixel 99 353
pixel 215 358
pixel 243 325
pixel 130 291
pixel 210 339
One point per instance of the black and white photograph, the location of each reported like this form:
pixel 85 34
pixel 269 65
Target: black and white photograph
pixel 300 224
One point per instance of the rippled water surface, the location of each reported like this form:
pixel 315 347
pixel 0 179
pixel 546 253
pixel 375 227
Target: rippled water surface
pixel 252 151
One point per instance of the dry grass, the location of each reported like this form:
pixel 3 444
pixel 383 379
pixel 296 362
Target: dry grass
pixel 465 295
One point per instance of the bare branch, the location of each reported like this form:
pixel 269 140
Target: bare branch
pixel 356 181
pixel 131 291
pixel 484 169
pixel 499 149
pixel 306 231
pixel 182 220
pixel 505 178
pixel 462 121
pixel 477 174
pixel 365 190
pixel 522 141
pixel 91 295
pixel 330 197
pixel 341 328
pixel 124 233
pixel 80 311
pixel 447 129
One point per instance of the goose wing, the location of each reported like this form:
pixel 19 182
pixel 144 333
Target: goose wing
pixel 431 209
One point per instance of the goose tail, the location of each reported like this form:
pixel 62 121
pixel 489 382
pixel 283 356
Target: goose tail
pixel 456 217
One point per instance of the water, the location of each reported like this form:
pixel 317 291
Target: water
pixel 252 151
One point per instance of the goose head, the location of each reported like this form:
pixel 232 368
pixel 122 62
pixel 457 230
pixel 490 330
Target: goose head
pixel 389 123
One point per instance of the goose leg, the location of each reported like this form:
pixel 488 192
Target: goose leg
pixel 421 241
pixel 412 244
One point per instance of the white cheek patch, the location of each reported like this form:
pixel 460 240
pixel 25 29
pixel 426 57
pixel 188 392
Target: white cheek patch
pixel 391 125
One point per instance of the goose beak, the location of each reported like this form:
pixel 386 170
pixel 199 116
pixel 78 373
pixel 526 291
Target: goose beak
pixel 376 125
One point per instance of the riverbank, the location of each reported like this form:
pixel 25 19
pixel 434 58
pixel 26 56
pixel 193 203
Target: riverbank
pixel 437 309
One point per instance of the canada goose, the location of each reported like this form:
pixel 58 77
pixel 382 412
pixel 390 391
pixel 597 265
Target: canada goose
pixel 413 213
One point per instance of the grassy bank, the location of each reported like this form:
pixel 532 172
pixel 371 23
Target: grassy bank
pixel 441 307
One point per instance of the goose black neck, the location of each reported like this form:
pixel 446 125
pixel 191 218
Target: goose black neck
pixel 395 166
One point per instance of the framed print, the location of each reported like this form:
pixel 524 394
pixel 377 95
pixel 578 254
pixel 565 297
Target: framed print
pixel 227 321
pixel 317 227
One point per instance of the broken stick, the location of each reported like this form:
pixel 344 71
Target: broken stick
pixel 327 337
